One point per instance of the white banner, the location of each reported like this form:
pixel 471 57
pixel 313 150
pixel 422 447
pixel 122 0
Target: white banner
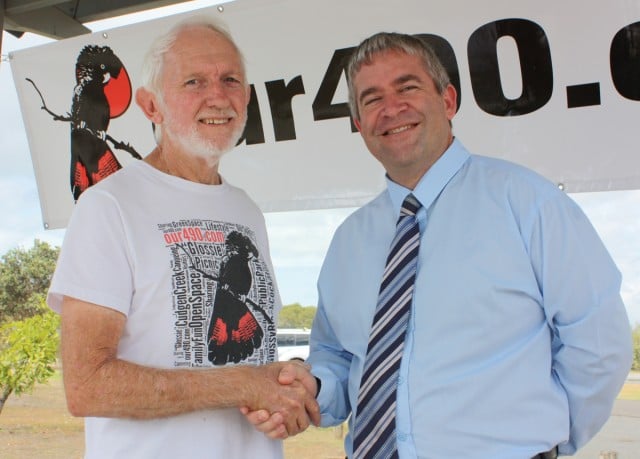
pixel 551 85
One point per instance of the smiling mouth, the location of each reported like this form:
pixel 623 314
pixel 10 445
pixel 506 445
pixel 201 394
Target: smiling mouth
pixel 215 121
pixel 399 129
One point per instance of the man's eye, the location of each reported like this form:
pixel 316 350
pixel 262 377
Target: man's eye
pixel 370 100
pixel 232 80
pixel 407 88
pixel 191 82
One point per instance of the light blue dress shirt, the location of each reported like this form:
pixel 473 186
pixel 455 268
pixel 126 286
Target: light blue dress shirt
pixel 518 340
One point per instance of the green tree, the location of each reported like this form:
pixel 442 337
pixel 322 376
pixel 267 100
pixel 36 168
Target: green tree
pixel 636 348
pixel 24 279
pixel 28 350
pixel 296 316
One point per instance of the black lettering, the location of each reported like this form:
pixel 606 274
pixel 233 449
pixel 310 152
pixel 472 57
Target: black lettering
pixel 624 59
pixel 535 67
pixel 323 106
pixel 253 131
pixel 443 49
pixel 280 96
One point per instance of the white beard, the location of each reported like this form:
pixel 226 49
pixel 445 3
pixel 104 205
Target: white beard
pixel 195 144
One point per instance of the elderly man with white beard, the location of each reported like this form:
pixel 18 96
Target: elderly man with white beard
pixel 161 281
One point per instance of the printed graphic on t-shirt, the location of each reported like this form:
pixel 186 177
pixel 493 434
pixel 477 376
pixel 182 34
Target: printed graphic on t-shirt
pixel 223 294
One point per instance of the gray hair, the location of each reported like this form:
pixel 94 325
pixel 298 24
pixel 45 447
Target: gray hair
pixel 153 63
pixel 391 41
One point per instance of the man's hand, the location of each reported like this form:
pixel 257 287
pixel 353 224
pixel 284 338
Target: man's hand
pixel 271 425
pixel 280 424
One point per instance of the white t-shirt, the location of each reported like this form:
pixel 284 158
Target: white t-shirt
pixel 162 250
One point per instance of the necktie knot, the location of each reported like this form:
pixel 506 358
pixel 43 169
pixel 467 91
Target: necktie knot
pixel 410 205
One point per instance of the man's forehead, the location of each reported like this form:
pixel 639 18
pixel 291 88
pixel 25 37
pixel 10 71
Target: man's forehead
pixel 397 74
pixel 383 56
pixel 205 45
pixel 201 38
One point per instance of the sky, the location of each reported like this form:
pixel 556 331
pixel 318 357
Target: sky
pixel 298 240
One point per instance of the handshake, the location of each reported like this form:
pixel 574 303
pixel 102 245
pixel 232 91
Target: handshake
pixel 283 399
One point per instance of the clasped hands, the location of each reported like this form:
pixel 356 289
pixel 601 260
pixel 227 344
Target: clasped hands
pixel 286 404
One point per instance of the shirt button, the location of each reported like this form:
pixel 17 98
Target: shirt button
pixel 402 437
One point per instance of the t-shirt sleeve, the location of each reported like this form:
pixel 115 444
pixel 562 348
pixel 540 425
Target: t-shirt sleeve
pixel 95 262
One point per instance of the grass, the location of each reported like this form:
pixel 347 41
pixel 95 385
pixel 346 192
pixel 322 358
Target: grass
pixel 37 425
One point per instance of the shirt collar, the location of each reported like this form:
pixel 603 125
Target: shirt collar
pixel 433 181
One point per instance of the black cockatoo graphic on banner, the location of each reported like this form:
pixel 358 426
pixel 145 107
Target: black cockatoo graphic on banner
pixel 102 92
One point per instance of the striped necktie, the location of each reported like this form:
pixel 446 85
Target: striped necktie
pixel 374 423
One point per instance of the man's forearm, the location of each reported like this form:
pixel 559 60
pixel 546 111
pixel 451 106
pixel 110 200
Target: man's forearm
pixel 123 389
pixel 98 383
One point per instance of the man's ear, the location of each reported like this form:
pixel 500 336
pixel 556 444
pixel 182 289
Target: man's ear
pixel 356 122
pixel 450 97
pixel 148 102
pixel 248 94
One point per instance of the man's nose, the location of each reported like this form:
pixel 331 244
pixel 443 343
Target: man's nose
pixel 393 105
pixel 216 95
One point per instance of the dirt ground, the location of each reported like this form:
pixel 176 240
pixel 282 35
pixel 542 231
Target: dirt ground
pixel 38 426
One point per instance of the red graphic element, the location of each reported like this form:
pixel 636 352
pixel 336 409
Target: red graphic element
pixel 107 165
pixel 244 333
pixel 219 335
pixel 81 177
pixel 118 92
pixel 247 327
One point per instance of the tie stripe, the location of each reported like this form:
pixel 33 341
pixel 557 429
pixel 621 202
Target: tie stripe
pixel 374 423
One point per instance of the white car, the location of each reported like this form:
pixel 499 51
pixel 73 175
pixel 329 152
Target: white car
pixel 293 344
